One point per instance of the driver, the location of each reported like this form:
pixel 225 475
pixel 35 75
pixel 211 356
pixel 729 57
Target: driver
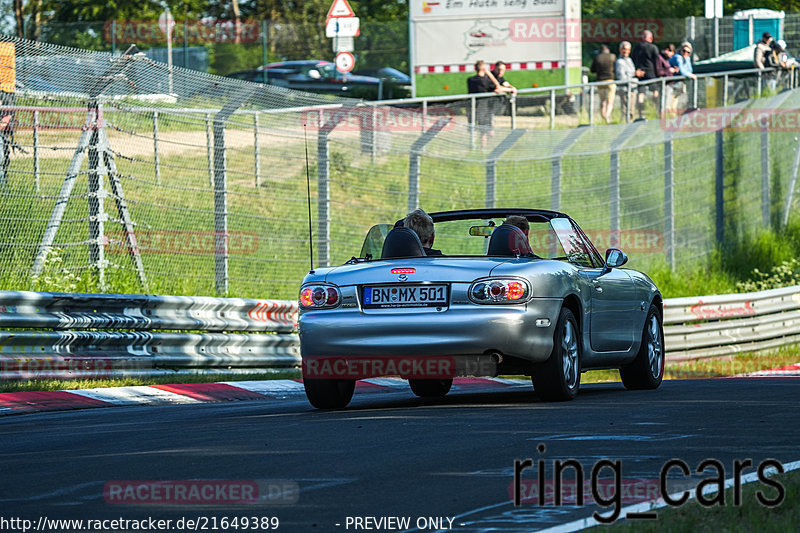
pixel 422 224
pixel 520 222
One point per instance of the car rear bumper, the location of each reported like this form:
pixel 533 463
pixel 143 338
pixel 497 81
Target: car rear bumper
pixel 465 329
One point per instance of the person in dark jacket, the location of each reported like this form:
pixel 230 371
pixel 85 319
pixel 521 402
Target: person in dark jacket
pixel 604 66
pixel 645 56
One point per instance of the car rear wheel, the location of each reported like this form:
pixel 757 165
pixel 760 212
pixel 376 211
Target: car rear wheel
pixel 430 388
pixel 329 393
pixel 647 370
pixel 559 378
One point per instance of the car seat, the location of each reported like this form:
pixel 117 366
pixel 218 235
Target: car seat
pixel 509 240
pixel 402 242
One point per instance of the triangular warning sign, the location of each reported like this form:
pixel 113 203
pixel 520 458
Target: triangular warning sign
pixel 340 8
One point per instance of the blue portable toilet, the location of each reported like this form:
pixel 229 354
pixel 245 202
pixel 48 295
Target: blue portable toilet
pixel 749 25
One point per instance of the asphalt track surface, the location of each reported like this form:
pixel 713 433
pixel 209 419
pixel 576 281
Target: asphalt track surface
pixel 388 454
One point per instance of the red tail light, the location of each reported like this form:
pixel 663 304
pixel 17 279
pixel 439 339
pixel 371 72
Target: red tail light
pixel 404 270
pixel 499 291
pixel 319 297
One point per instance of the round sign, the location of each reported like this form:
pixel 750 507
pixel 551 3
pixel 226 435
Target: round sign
pixel 345 61
pixel 166 22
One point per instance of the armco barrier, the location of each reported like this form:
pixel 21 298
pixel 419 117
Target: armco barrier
pixel 103 335
pixel 708 326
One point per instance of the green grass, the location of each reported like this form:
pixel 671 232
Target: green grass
pixel 749 516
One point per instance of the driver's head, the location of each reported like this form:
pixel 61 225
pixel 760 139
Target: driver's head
pixel 520 222
pixel 422 223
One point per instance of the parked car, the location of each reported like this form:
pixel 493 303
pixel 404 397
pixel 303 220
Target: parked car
pixel 546 305
pixel 315 76
pixel 396 84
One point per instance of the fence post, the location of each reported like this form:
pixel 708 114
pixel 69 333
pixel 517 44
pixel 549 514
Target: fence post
pixel 256 150
pixel 514 113
pixel 552 109
pixel 415 154
pixel 720 185
pixel 629 91
pixel 669 206
pixel 792 183
pixel 491 165
pixel 36 168
pixel 209 152
pixel 613 178
pixel 663 100
pixel 758 77
pixel 694 93
pixel 220 209
pixel 765 178
pixel 555 165
pixel 155 147
pixel 725 91
pixel 591 105
pixel 97 213
pixel 472 122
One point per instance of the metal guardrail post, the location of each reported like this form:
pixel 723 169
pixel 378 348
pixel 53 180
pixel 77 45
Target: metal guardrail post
pixel 155 148
pixel 758 91
pixel 694 92
pixel 514 113
pixel 472 122
pixel 719 186
pixel 765 179
pixel 628 101
pixel 662 112
pixel 591 105
pixel 552 109
pixel 256 151
pixel 669 202
pixel 36 162
pixel 725 91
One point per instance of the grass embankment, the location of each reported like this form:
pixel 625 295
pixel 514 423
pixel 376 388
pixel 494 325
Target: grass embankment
pixel 749 516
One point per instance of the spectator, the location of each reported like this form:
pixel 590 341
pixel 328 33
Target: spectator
pixel 499 72
pixel 762 50
pixel 422 224
pixel 644 56
pixel 665 70
pixel 626 71
pixel 682 61
pixel 603 66
pixel 483 82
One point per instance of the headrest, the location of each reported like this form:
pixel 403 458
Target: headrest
pixel 402 242
pixel 508 240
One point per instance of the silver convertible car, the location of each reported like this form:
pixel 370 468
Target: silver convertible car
pixel 496 301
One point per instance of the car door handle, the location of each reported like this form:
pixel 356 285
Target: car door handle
pixel 598 289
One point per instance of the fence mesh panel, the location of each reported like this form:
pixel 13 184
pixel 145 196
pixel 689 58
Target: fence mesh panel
pixel 122 176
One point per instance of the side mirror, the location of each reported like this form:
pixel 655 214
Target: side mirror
pixel 615 258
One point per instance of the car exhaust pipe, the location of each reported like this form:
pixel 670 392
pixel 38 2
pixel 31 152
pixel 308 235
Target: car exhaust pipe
pixel 496 357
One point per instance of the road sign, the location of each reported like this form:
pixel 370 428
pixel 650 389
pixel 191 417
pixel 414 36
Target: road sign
pixel 342 27
pixel 343 44
pixel 166 22
pixel 340 8
pixel 345 61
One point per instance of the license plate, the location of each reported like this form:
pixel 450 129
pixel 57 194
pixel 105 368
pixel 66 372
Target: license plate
pixel 405 296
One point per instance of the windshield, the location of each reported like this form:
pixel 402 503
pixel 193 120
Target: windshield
pixel 471 237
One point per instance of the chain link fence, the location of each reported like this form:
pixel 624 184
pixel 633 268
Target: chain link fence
pixel 122 176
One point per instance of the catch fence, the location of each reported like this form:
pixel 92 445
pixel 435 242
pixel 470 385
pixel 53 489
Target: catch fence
pixel 135 178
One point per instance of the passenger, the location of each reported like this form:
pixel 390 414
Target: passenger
pixel 422 224
pixel 520 222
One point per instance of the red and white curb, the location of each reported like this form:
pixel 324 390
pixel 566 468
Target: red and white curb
pixel 194 393
pixel 783 371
